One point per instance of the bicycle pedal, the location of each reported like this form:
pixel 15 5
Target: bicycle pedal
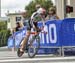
pixel 26 51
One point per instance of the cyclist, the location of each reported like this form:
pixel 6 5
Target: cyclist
pixel 32 23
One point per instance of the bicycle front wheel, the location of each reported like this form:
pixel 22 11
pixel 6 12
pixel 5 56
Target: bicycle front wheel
pixel 33 46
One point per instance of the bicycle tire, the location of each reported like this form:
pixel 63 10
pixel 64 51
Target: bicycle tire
pixel 31 47
pixel 18 50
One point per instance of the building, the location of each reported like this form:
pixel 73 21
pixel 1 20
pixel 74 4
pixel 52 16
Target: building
pixel 61 4
pixel 13 18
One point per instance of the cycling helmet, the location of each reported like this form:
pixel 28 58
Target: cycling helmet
pixel 41 11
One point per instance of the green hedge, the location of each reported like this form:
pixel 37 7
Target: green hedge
pixel 4 34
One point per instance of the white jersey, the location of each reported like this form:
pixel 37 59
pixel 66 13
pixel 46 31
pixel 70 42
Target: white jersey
pixel 35 14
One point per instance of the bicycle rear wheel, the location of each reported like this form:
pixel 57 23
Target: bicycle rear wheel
pixel 34 45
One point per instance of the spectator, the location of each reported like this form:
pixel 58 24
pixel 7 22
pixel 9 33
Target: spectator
pixel 52 14
pixel 18 26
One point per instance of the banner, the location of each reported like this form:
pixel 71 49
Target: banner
pixel 17 37
pixel 68 32
pixel 59 33
pixel 10 42
pixel 52 38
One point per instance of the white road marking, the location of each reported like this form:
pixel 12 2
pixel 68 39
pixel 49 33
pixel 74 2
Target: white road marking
pixel 39 59
pixel 24 56
pixel 63 62
pixel 7 57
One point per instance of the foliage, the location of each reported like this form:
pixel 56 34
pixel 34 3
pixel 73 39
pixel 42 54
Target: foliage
pixel 3 25
pixel 4 34
pixel 44 3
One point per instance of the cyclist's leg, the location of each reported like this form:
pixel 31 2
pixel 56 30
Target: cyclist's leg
pixel 23 44
pixel 22 47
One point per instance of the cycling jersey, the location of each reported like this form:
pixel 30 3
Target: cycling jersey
pixel 36 16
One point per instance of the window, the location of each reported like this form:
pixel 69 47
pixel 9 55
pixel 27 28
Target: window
pixel 18 19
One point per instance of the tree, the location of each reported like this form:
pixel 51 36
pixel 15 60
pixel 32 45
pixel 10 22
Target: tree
pixel 4 33
pixel 3 25
pixel 44 3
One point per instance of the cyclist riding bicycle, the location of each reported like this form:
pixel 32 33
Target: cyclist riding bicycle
pixel 33 22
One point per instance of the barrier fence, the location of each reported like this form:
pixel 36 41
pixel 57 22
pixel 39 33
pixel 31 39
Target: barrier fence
pixel 61 33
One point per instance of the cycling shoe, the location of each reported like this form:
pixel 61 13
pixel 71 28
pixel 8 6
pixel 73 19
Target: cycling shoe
pixel 20 53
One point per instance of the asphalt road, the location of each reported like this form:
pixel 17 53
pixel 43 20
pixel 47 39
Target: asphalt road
pixel 11 57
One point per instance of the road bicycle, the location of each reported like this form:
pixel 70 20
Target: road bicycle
pixel 33 44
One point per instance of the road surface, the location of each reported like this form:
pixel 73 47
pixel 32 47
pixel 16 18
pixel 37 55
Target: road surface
pixel 11 57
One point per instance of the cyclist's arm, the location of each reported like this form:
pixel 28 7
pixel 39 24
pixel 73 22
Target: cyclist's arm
pixel 33 16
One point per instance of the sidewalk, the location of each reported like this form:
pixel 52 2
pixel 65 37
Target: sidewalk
pixel 5 48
